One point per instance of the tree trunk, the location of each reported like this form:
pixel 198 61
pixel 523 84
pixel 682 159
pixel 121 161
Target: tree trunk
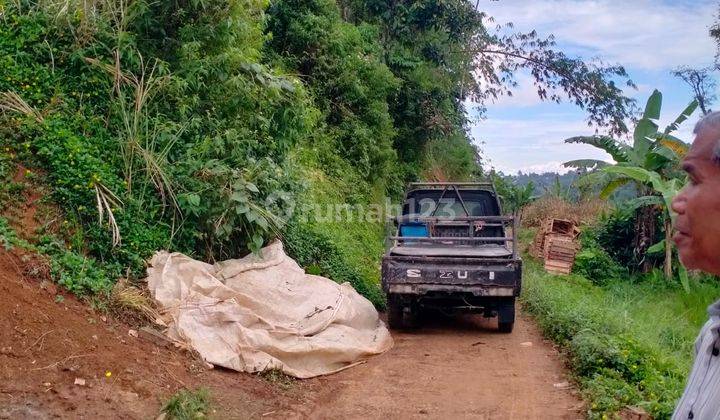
pixel 645 234
pixel 701 103
pixel 668 248
pixel 518 216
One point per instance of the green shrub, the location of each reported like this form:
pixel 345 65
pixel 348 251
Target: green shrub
pixel 78 273
pixel 615 234
pixel 451 158
pixel 189 119
pixel 8 237
pixel 608 393
pixel 594 263
pixel 188 405
pixel 198 166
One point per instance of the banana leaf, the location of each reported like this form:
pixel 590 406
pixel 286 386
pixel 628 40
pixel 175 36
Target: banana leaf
pixel 684 115
pixel 657 248
pixel 647 200
pixel 618 151
pixel 589 164
pixel 653 105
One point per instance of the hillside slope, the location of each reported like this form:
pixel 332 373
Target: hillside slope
pixel 50 340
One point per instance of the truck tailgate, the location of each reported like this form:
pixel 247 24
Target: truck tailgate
pixel 480 276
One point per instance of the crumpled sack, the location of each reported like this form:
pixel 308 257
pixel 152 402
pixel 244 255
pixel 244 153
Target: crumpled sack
pixel 259 313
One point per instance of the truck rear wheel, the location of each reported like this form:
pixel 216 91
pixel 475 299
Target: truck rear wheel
pixel 395 312
pixel 506 315
pixel 401 313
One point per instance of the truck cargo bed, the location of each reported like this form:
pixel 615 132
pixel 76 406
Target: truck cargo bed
pixel 490 250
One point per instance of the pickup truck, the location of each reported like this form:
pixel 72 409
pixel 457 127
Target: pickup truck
pixel 450 250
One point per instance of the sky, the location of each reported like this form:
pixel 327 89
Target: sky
pixel 649 38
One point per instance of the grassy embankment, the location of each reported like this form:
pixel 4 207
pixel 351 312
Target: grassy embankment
pixel 629 342
pixel 328 239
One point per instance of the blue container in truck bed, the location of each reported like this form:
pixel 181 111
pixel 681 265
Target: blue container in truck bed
pixel 414 229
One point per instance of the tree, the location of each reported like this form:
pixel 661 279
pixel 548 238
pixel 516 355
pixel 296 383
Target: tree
pixel 514 197
pixel 341 65
pixel 702 84
pixel 590 85
pixel 715 34
pixel 518 197
pixel 446 53
pixel 652 151
pixel 556 189
pixel 667 188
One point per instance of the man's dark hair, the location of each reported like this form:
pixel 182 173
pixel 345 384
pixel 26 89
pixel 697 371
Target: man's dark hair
pixel 711 121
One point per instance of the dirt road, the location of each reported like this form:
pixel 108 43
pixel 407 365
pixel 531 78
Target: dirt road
pixel 453 368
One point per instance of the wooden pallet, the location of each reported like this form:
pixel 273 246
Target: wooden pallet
pixel 558 267
pixel 556 243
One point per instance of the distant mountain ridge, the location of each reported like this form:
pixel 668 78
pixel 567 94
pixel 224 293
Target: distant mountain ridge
pixel 562 184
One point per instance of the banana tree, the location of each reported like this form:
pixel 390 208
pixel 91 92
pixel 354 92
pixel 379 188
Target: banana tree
pixel 667 189
pixel 556 189
pixel 514 197
pixel 651 150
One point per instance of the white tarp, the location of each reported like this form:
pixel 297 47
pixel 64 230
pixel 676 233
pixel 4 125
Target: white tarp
pixel 254 313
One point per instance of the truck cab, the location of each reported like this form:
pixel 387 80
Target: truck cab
pixel 452 250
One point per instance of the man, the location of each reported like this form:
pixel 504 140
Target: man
pixel 698 240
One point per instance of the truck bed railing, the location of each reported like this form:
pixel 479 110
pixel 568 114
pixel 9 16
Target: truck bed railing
pixel 421 218
pixel 488 221
pixel 450 184
pixel 452 238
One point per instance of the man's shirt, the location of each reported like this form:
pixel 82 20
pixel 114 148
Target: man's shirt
pixel 701 400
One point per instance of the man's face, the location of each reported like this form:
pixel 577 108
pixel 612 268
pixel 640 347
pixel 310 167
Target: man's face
pixel 697 227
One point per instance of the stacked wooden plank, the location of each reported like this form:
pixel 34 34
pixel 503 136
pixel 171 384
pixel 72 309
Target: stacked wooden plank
pixel 556 243
pixel 537 249
pixel 559 253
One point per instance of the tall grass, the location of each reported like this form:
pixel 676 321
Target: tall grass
pixel 12 102
pixel 139 134
pixel 630 342
pixel 551 206
pixel 664 316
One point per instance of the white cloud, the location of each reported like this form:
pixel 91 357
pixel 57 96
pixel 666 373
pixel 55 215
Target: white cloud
pixel 534 143
pixel 541 168
pixel 642 34
pixel 647 37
